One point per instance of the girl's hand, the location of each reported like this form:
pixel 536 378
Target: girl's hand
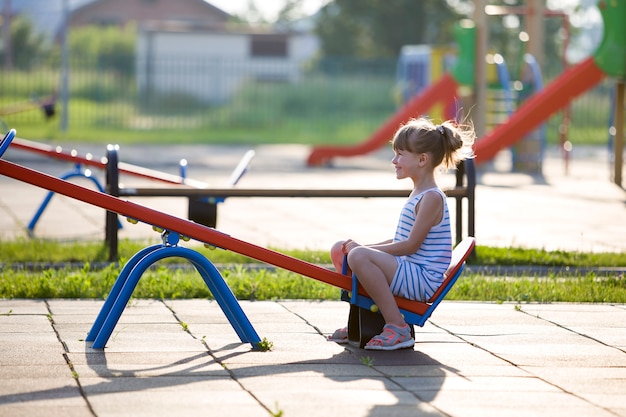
pixel 348 245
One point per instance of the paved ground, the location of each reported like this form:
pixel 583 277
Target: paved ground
pixel 471 359
pixel 183 358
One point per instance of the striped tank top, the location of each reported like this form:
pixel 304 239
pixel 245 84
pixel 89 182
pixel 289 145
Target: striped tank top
pixel 435 253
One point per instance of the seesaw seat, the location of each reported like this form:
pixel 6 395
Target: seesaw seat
pixel 365 322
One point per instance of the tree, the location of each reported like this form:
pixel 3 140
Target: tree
pixel 504 39
pixel 379 28
pixel 288 14
pixel 28 46
pixel 104 47
pixel 252 16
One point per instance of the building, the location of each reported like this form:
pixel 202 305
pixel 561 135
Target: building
pixel 190 46
pixel 122 12
pixel 212 65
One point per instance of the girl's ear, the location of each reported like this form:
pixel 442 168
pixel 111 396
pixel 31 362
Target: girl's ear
pixel 423 159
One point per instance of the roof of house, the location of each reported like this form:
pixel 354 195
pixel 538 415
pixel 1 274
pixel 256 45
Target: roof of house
pixel 119 12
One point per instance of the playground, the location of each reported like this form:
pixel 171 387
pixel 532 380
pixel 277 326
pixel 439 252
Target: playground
pixel 202 228
pixel 470 359
pixel 511 211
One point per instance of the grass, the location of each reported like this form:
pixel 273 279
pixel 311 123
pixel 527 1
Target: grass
pixel 24 276
pixel 50 251
pixel 335 109
pixel 291 132
pixel 586 289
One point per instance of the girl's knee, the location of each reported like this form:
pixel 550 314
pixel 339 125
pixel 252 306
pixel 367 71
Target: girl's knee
pixel 337 255
pixel 357 254
pixel 336 249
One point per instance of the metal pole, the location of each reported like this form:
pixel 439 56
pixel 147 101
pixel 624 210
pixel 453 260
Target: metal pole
pixel 480 75
pixel 535 26
pixel 6 35
pixel 618 143
pixel 65 68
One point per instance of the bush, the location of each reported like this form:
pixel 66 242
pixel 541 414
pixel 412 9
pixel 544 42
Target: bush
pixel 107 48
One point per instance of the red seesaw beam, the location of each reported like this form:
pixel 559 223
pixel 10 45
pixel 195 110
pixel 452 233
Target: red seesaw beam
pixel 125 168
pixel 178 225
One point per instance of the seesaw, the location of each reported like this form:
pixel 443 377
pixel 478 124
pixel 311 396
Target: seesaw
pixel 203 202
pixel 88 161
pixel 122 168
pixel 174 227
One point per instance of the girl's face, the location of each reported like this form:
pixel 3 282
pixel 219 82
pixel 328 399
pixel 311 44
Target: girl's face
pixel 406 164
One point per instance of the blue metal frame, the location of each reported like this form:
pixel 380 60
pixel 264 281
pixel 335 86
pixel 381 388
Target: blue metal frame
pixel 536 83
pixel 131 273
pixel 409 316
pixel 76 172
pixel 365 302
pixel 6 141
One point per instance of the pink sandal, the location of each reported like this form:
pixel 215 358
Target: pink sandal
pixel 393 337
pixel 339 336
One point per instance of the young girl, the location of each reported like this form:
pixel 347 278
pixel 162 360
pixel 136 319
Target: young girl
pixel 412 264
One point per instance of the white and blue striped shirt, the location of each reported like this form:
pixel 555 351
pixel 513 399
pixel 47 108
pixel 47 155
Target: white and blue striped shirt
pixel 431 259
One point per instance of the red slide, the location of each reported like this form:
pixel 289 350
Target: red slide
pixel 443 90
pixel 539 107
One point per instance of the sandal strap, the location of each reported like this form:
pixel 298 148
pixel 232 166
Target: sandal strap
pixel 391 335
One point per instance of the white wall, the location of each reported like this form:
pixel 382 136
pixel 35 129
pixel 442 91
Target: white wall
pixel 212 66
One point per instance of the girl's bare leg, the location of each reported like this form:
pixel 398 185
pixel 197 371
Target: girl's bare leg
pixel 337 255
pixel 375 270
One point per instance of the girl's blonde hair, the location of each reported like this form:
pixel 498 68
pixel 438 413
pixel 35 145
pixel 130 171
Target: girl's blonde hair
pixel 448 143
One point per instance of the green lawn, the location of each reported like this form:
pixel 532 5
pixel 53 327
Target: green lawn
pixel 337 109
pixel 46 269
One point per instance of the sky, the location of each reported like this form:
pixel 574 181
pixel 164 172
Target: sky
pixel 47 16
pixel 47 13
pixel 583 15
pixel 268 8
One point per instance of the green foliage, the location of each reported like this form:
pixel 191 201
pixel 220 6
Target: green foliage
pixel 108 87
pixel 39 250
pixel 174 279
pixel 28 47
pixel 50 251
pixel 164 104
pixel 340 101
pixel 375 28
pixel 104 48
pixel 542 257
pixel 22 85
pixel 357 99
pixel 159 282
pixel 588 289
pixel 265 345
pixel 588 119
pixel 265 284
pixel 61 283
pixel 248 284
pixel 367 361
